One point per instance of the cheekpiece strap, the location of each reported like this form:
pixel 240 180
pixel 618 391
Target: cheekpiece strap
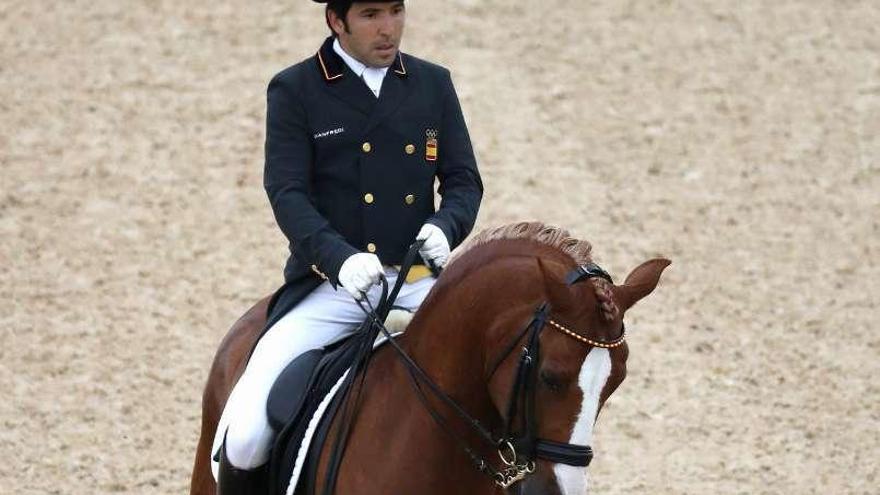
pixel 585 272
pixel 541 314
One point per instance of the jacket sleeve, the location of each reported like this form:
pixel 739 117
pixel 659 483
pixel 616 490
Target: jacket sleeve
pixel 287 178
pixel 461 188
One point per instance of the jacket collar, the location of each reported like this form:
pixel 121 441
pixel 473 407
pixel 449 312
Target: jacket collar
pixel 332 67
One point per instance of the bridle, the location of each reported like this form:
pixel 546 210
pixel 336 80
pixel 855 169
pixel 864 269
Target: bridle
pixel 518 446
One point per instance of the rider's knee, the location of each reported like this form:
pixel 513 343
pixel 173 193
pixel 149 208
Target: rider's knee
pixel 247 444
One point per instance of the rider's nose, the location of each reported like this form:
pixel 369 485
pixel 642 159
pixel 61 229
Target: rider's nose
pixel 386 26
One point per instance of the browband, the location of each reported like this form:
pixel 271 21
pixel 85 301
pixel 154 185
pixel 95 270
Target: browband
pixel 585 272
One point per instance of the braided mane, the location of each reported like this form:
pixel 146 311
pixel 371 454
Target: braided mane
pixel 555 237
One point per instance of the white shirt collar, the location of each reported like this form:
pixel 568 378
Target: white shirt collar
pixel 372 76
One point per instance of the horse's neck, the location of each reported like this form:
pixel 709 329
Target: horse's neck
pixel 463 326
pixel 449 351
pixel 456 323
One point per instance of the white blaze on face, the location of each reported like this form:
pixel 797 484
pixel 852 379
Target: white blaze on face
pixel 594 374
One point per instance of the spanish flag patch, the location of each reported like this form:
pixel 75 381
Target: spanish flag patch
pixel 431 145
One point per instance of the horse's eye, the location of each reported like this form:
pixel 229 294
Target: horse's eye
pixel 554 381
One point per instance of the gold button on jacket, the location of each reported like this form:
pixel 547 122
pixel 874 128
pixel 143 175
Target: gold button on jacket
pixel 410 149
pixel 368 198
pixel 366 147
pixel 409 199
pixel 371 247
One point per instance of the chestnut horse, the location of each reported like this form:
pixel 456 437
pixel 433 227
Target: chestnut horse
pixel 461 337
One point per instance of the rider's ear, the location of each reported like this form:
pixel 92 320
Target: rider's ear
pixel 639 283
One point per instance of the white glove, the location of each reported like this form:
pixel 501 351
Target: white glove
pixel 359 272
pixel 436 247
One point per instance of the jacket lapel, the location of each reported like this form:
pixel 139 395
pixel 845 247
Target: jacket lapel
pixel 396 88
pixel 342 82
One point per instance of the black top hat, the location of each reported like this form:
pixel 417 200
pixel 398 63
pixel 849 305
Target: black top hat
pixel 353 1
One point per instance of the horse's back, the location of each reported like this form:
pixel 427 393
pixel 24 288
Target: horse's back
pixel 227 366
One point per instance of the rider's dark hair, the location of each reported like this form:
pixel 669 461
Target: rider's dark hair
pixel 340 8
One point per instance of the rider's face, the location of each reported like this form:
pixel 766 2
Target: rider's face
pixel 371 31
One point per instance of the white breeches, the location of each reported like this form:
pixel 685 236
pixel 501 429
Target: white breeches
pixel 323 317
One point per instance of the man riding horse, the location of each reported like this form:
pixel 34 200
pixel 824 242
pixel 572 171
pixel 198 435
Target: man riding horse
pixel 355 137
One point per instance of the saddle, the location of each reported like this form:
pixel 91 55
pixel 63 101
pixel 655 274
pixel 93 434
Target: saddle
pixel 294 399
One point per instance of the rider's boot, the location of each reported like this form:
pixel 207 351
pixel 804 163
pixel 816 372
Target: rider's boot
pixel 234 481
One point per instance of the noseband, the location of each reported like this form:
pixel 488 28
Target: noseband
pixel 518 447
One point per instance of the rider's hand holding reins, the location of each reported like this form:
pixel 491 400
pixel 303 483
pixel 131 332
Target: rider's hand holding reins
pixel 435 248
pixel 360 272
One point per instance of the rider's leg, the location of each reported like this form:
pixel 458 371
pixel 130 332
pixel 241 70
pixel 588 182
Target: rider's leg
pixel 234 481
pixel 323 317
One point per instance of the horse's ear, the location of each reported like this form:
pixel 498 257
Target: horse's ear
pixel 639 283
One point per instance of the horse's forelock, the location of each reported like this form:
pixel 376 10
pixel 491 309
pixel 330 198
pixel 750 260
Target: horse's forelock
pixel 579 251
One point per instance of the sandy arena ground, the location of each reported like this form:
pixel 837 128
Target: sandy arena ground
pixel 740 139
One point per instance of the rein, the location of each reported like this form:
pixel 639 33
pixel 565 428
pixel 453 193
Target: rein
pixel 518 447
